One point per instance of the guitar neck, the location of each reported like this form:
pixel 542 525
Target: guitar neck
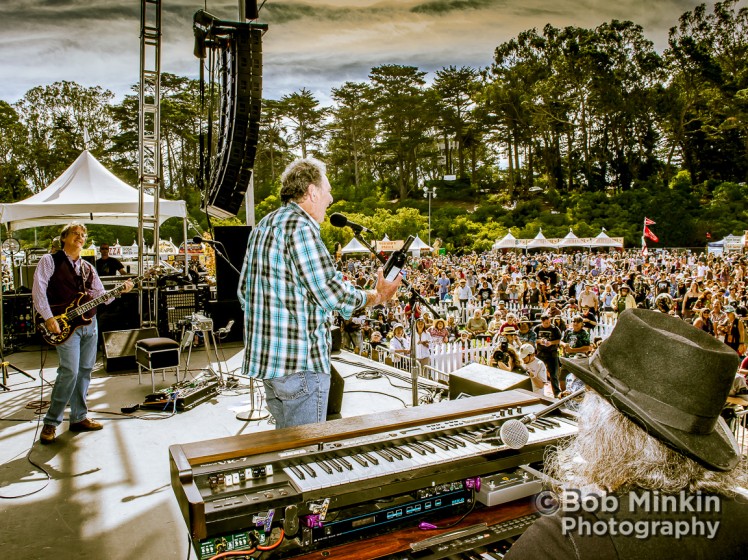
pixel 89 305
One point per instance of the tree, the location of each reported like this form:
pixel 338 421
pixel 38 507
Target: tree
pixel 307 117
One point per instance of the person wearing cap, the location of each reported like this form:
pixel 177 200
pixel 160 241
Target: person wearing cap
pixel 534 368
pixel 463 293
pixel 546 348
pixel 399 343
pixel 654 469
pixel 106 265
pixel 623 300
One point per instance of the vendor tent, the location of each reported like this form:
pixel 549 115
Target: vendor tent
pixel 539 242
pixel 506 242
pixel 354 246
pixel 570 240
pixel 602 240
pixel 87 191
pixel 418 245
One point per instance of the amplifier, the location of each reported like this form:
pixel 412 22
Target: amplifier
pixel 18 314
pixel 177 303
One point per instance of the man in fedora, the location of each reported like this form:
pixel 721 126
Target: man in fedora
pixel 654 472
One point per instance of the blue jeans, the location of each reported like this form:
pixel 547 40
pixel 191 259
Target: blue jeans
pixel 299 398
pixel 77 356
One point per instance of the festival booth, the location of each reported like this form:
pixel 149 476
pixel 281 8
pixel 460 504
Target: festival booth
pixel 729 244
pixel 417 246
pixel 603 240
pixel 354 246
pixel 540 242
pixel 88 192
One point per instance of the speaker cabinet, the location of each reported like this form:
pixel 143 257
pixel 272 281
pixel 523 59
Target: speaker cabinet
pixel 335 398
pixel 119 348
pixel 234 240
pixel 477 379
pixel 239 122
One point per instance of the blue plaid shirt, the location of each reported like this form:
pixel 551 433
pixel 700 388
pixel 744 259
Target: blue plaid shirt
pixel 289 288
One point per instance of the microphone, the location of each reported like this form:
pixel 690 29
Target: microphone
pixel 198 239
pixel 514 433
pixel 338 220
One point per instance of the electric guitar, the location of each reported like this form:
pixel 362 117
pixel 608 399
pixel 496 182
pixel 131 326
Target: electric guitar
pixel 74 314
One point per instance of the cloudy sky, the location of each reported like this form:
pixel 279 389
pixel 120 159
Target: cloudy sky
pixel 317 44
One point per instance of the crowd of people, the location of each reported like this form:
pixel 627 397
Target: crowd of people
pixel 518 303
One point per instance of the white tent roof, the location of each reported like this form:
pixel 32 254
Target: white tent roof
pixel 540 241
pixel 354 246
pixel 602 240
pixel 569 240
pixel 506 242
pixel 418 244
pixel 89 192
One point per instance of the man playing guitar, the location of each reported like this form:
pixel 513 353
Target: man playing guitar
pixel 60 278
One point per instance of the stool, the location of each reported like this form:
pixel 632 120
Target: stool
pixel 155 354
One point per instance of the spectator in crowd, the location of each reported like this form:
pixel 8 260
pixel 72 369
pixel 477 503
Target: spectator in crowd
pixel 548 339
pixel 689 301
pixel 525 332
pixel 623 300
pixel 505 357
pixel 702 320
pixel 477 325
pixel 439 332
pixel 463 294
pixel 588 298
pixel 733 330
pixel 534 368
pixel 422 339
pixel 399 343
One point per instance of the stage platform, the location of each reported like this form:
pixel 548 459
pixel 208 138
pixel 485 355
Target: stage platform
pixel 109 495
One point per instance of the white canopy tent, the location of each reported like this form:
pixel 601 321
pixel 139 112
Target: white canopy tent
pixel 87 191
pixel 354 246
pixel 540 241
pixel 603 240
pixel 418 244
pixel 569 240
pixel 506 242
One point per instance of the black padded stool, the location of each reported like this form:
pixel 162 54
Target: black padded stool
pixel 155 354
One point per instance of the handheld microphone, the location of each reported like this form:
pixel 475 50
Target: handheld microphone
pixel 514 433
pixel 338 220
pixel 198 239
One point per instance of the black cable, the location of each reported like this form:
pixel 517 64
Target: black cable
pixel 42 360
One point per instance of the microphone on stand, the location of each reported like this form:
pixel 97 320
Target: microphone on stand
pixel 514 433
pixel 338 220
pixel 198 239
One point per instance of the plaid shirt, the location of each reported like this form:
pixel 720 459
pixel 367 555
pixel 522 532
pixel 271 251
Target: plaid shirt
pixel 289 288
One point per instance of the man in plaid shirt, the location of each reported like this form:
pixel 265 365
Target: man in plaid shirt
pixel 289 288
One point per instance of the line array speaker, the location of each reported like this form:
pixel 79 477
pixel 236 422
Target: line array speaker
pixel 239 121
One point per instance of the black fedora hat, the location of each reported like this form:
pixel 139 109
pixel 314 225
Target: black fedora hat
pixel 669 377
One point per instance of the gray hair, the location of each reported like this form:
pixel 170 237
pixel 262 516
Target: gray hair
pixel 297 177
pixel 612 454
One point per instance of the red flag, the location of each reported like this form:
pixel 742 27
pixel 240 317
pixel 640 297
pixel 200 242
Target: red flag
pixel 648 222
pixel 708 235
pixel 648 233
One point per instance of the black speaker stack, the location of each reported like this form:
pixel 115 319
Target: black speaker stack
pixel 233 240
pixel 237 48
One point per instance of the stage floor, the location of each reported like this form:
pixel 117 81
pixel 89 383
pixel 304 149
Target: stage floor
pixel 110 494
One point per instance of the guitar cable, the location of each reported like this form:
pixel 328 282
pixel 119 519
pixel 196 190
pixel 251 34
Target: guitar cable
pixel 39 419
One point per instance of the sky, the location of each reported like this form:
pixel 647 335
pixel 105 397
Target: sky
pixel 315 44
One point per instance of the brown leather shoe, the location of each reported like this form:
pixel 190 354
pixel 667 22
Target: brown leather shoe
pixel 48 434
pixel 86 425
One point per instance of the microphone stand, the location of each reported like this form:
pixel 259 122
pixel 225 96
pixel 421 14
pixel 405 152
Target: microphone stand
pixel 252 413
pixel 414 296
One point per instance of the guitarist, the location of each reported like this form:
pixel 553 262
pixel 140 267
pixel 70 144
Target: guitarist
pixel 59 280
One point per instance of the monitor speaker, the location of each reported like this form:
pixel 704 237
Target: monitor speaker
pixel 119 347
pixel 477 379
